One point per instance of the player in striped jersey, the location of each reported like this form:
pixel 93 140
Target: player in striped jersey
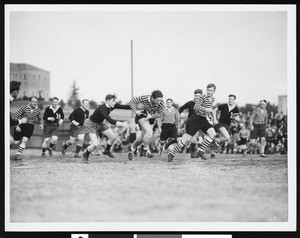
pixel 228 112
pixel 190 106
pixel 258 121
pixel 24 131
pixel 153 108
pixel 96 124
pixel 203 107
pixel 77 118
pixel 14 91
pixel 170 125
pixel 53 118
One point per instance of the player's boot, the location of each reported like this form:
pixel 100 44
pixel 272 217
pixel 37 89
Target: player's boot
pixel 212 155
pixel 43 154
pixel 202 155
pixel 76 155
pixel 149 154
pixel 17 157
pixel 85 158
pixel 50 151
pixel 245 152
pixel 142 151
pixel 195 154
pixel 131 153
pixel 108 153
pixel 170 157
pixel 263 155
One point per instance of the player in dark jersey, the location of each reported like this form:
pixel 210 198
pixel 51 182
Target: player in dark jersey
pixel 203 107
pixel 190 106
pixel 228 112
pixel 24 131
pixel 96 124
pixel 153 108
pixel 77 118
pixel 53 118
pixel 258 122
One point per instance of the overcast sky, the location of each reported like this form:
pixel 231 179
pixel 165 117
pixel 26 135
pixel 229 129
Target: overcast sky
pixel 244 53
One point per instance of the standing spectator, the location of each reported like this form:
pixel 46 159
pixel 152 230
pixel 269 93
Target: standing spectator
pixel 258 120
pixel 24 131
pixel 53 118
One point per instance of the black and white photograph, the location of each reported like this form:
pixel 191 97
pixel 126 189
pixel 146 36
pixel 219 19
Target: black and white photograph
pixel 150 118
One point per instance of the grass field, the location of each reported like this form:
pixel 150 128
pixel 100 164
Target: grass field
pixel 227 188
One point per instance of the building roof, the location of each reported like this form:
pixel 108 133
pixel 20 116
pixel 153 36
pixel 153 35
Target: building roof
pixel 24 67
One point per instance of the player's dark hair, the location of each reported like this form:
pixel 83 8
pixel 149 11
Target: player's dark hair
pixel 54 98
pixel 14 86
pixel 263 100
pixel 232 95
pixel 156 94
pixel 169 99
pixel 211 85
pixel 32 98
pixel 110 96
pixel 198 91
pixel 84 100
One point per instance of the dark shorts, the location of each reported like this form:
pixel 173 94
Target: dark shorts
pixel 168 131
pixel 93 127
pixel 76 130
pixel 26 131
pixel 195 123
pixel 242 141
pixel 132 137
pixel 220 124
pixel 51 129
pixel 258 131
pixel 137 118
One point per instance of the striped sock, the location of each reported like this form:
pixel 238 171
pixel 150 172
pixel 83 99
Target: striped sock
pixel 178 147
pixel 20 149
pixel 206 143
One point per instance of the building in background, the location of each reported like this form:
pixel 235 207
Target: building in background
pixel 282 104
pixel 35 81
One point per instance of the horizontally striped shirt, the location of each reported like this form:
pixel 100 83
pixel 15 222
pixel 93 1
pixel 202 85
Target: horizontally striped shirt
pixel 30 113
pixel 201 103
pixel 170 116
pixel 155 110
pixel 259 116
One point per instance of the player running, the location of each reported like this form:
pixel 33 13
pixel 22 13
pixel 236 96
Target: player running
pixel 228 112
pixel 190 106
pixel 258 121
pixel 97 124
pixel 197 121
pixel 53 118
pixel 77 118
pixel 153 107
pixel 170 125
pixel 24 131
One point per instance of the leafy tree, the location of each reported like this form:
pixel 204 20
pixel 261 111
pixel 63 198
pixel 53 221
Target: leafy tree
pixel 73 100
pixel 62 104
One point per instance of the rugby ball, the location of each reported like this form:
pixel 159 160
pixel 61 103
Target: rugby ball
pixel 140 106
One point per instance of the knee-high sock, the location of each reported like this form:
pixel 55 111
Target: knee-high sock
pixel 206 143
pixel 178 147
pixel 21 148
